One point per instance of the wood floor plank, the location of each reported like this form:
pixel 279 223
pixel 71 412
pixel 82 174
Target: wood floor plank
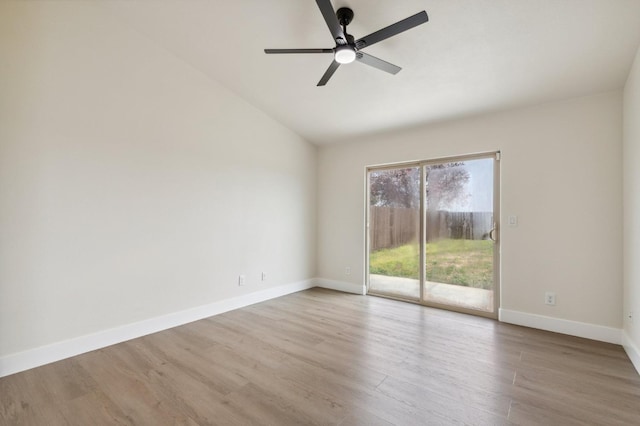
pixel 447 406
pixel 130 390
pixel 94 408
pixel 320 357
pixel 582 393
pixel 363 417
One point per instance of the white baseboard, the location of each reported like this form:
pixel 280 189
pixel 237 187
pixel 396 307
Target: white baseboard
pixel 557 325
pixel 341 286
pixel 36 357
pixel 632 350
pixel 32 358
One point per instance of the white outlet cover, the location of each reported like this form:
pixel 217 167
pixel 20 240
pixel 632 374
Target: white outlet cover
pixel 550 298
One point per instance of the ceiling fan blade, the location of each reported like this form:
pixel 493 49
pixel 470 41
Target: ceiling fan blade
pixel 332 21
pixel 377 63
pixel 328 73
pixel 298 50
pixel 393 29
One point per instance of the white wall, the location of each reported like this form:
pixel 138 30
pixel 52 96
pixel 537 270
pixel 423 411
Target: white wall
pixel 132 186
pixel 561 174
pixel 631 155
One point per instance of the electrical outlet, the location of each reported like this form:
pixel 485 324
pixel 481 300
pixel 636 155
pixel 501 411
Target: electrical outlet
pixel 264 276
pixel 550 298
pixel 241 280
pixel 347 270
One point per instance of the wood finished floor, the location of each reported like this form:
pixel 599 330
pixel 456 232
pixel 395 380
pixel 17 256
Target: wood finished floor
pixel 322 357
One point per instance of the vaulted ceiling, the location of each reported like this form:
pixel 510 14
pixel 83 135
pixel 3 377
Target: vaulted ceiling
pixel 473 56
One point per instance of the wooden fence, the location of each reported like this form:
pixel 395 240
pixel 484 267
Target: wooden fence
pixel 459 225
pixel 395 226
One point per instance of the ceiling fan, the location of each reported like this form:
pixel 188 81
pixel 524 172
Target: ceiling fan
pixel 347 48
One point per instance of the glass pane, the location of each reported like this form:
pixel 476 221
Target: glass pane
pixel 459 219
pixel 394 232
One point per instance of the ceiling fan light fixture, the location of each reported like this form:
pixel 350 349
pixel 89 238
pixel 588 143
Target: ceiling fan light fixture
pixel 345 54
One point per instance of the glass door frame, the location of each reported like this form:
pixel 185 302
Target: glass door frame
pixel 423 231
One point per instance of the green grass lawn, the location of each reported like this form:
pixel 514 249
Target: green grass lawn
pixel 463 262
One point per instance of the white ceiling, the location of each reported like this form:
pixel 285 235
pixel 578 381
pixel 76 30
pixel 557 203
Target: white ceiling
pixel 473 56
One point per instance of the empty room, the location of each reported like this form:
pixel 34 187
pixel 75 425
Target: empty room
pixel 319 212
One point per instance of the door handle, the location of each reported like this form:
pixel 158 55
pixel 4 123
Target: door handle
pixel 492 233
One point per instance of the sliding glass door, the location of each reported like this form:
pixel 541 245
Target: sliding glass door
pixel 432 233
pixel 459 246
pixel 394 220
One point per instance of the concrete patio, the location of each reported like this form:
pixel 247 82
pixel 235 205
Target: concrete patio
pixel 449 294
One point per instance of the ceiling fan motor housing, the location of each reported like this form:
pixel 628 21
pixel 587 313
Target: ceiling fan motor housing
pixel 345 16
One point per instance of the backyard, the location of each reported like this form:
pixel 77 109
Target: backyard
pixel 452 261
